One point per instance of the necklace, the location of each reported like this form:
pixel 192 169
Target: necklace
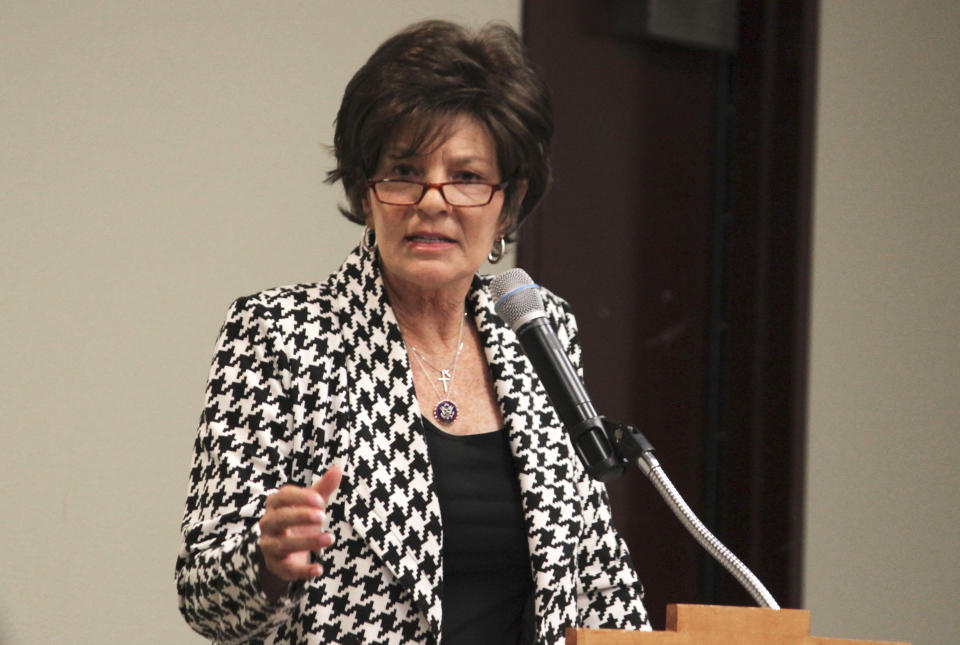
pixel 446 410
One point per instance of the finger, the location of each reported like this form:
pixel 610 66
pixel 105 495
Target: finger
pixel 302 530
pixel 290 495
pixel 279 548
pixel 277 520
pixel 329 483
pixel 303 572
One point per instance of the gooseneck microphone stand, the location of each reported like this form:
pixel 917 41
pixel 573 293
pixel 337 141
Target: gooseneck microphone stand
pixel 632 447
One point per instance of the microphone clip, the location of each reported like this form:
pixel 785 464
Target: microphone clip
pixel 606 447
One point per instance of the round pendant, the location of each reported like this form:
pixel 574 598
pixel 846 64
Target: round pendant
pixel 445 412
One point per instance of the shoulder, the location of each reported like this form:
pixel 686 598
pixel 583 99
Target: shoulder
pixel 292 314
pixel 556 306
pixel 282 302
pixel 557 309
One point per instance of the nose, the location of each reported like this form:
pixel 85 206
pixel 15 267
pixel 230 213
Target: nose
pixel 433 202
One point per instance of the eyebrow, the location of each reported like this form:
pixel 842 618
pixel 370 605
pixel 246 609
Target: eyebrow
pixel 398 155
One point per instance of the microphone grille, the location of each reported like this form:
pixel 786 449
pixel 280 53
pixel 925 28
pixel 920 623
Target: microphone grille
pixel 516 297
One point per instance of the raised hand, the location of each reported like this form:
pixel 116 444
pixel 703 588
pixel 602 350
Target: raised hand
pixel 292 527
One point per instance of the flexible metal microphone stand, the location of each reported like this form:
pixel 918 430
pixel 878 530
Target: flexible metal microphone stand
pixel 632 447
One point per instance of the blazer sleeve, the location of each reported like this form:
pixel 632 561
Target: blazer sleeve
pixel 609 593
pixel 242 443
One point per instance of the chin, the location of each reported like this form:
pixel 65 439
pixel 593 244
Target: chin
pixel 434 275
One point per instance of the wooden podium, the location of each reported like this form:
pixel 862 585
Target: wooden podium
pixel 716 625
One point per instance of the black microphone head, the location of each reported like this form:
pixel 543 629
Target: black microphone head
pixel 516 298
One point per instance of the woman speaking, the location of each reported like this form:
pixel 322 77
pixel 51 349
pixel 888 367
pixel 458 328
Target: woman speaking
pixel 376 461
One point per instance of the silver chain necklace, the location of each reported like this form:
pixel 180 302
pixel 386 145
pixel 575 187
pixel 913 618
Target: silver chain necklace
pixel 446 410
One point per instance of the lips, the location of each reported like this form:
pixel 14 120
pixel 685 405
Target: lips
pixel 428 237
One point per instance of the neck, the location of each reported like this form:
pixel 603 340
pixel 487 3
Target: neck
pixel 430 319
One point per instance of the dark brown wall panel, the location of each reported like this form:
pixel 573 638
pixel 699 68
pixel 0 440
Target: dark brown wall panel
pixel 678 229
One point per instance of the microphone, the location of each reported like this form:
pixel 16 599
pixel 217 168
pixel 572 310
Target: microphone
pixel 518 303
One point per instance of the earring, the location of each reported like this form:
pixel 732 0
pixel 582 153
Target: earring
pixel 496 253
pixel 368 240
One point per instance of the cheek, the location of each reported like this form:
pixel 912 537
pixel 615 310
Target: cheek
pixel 375 214
pixel 486 234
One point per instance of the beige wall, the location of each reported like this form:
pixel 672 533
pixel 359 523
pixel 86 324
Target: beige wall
pixel 158 159
pixel 883 511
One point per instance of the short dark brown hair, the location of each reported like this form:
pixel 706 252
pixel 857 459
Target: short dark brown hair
pixel 425 76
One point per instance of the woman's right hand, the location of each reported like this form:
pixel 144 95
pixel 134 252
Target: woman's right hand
pixel 292 527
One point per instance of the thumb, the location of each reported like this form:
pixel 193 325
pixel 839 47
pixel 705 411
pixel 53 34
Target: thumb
pixel 327 485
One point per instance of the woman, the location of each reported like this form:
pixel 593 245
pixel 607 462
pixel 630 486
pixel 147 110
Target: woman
pixel 375 461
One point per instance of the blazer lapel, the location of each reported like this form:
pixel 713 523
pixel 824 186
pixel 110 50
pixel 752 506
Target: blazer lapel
pixel 542 456
pixel 388 483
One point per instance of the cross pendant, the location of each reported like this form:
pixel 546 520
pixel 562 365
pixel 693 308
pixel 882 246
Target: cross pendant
pixel 445 378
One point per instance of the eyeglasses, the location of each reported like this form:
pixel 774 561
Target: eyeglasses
pixel 407 192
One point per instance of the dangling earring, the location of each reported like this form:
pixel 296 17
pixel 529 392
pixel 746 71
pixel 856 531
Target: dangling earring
pixel 368 240
pixel 497 251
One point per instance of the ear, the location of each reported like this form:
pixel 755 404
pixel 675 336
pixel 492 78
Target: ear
pixel 365 205
pixel 521 191
pixel 505 219
pixel 503 226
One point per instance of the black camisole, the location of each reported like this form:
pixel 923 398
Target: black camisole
pixel 487 586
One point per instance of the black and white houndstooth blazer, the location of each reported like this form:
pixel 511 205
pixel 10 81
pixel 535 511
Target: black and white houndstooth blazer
pixel 311 375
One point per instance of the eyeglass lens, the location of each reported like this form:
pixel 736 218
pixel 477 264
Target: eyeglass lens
pixel 408 192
